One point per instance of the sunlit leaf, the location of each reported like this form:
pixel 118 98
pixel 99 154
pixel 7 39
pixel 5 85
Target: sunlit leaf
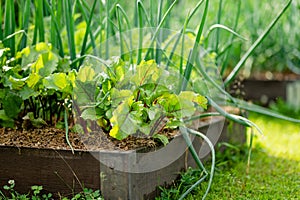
pixel 146 72
pixel 123 122
pixel 57 81
pixel 86 73
pixel 33 79
pixel 15 83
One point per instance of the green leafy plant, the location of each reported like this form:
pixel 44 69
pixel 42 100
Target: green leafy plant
pixel 35 86
pixel 127 104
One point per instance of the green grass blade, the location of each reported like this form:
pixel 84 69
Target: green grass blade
pixel 157 30
pixel 194 51
pixel 56 36
pixel 120 11
pixel 218 22
pixel 39 32
pixel 67 7
pixel 25 24
pixel 1 21
pixel 225 60
pixel 159 35
pixel 88 29
pixel 250 151
pixel 182 32
pixel 140 26
pixel 120 32
pixel 107 29
pixel 9 25
pixel 40 20
pixel 259 40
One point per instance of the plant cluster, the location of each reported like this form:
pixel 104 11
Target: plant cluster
pixel 37 193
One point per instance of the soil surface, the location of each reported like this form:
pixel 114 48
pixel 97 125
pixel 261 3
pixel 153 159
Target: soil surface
pixel 53 138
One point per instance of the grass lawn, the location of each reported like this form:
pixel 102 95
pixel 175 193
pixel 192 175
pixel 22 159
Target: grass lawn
pixel 274 169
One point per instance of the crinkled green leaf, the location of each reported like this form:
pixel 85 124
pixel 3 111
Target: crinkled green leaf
pixel 72 77
pixel 123 122
pixel 84 93
pixel 31 54
pixel 146 72
pixel 118 96
pixel 5 121
pixel 116 71
pixel 15 83
pixel 86 73
pixel 33 79
pixel 40 59
pixel 162 138
pixel 187 108
pixel 57 81
pixel 3 92
pixel 89 114
pixel 12 105
pixel 50 61
pixel 170 103
pixel 193 97
pixel 27 92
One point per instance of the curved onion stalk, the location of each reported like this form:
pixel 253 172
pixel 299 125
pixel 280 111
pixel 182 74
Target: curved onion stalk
pixel 185 131
pixel 14 34
pixel 239 65
pixel 241 120
pixel 258 109
pixel 220 26
pixel 240 103
pixel 91 56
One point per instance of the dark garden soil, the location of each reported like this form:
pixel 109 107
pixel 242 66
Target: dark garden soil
pixel 53 138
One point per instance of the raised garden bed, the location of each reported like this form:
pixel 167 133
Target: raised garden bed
pixel 118 174
pixel 266 90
